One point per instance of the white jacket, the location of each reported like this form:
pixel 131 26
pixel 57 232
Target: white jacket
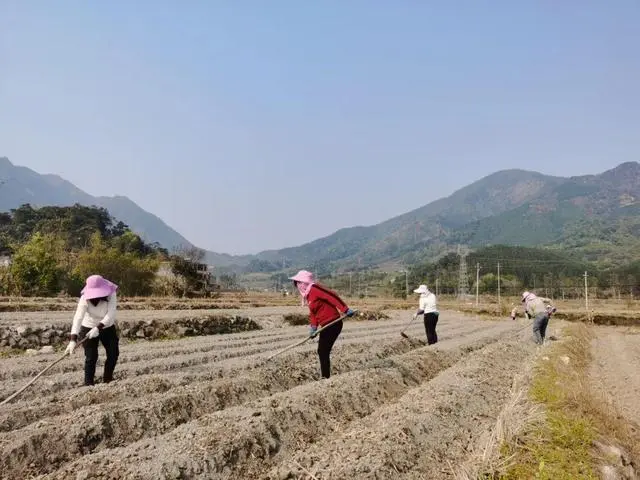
pixel 428 303
pixel 89 316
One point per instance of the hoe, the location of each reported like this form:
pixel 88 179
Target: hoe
pixel 310 336
pixel 407 326
pixel 8 399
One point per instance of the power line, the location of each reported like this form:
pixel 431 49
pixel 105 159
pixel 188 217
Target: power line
pixel 463 277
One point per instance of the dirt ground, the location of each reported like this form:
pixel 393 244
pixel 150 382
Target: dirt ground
pixel 214 407
pixel 616 369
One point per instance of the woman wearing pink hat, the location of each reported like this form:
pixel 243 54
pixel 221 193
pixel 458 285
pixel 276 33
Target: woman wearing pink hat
pixel 325 306
pixel 95 318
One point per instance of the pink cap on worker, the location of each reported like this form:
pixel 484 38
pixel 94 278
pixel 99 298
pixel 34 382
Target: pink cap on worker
pixel 98 287
pixel 303 276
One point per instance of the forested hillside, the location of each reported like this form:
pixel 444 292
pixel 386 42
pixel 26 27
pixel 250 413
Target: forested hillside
pixel 53 249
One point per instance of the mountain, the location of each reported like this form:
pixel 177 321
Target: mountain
pixel 597 215
pixel 594 215
pixel 20 185
pixel 425 226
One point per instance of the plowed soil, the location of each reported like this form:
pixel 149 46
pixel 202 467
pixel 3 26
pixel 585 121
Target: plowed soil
pixel 616 369
pixel 214 407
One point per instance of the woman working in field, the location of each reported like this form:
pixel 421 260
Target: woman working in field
pixel 538 308
pixel 95 318
pixel 427 306
pixel 325 306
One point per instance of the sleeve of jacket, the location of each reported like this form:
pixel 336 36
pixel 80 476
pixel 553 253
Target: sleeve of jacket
pixel 81 309
pixel 110 318
pixel 331 298
pixel 422 305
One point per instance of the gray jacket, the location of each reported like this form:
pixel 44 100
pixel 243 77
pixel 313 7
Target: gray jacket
pixel 534 305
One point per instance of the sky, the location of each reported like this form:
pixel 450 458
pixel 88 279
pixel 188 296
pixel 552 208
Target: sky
pixel 249 125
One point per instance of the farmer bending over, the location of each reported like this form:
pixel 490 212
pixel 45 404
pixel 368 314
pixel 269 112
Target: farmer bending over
pixel 427 306
pixel 324 307
pixel 540 309
pixel 95 318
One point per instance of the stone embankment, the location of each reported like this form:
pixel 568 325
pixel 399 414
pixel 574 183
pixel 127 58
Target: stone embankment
pixel 25 337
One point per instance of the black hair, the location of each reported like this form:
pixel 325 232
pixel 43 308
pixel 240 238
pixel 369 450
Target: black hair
pixel 96 301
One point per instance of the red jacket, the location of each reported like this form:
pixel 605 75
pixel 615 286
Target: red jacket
pixel 324 305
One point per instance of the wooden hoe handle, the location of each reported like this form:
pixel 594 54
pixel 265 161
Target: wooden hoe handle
pixel 309 337
pixel 8 399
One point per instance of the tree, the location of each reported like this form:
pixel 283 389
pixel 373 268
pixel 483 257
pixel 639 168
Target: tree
pixel 133 273
pixel 57 247
pixel 37 267
pixel 185 264
pixel 260 266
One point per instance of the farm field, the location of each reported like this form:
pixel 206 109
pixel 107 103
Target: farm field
pixel 214 407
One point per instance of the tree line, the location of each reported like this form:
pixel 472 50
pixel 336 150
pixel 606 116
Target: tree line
pixel 556 271
pixel 53 249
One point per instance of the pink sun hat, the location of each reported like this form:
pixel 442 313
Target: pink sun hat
pixel 98 287
pixel 303 276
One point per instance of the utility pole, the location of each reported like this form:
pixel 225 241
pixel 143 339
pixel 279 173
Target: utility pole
pixel 477 284
pixel 499 299
pixel 350 284
pixel 586 294
pixel 437 282
pixel 406 282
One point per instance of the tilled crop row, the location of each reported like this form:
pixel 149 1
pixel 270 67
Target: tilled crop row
pixel 200 364
pixel 110 425
pixel 247 440
pixel 25 366
pixel 142 351
pixel 426 433
pixel 348 355
pixel 119 423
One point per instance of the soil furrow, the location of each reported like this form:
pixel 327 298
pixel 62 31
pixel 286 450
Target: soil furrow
pixel 146 351
pixel 449 415
pixel 109 425
pixel 194 363
pixel 243 440
pixel 114 424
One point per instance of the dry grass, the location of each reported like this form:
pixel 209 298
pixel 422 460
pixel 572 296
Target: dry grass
pixel 303 319
pixel 562 445
pixel 296 319
pixel 518 413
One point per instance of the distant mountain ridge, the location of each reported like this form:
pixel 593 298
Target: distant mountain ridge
pixel 20 185
pixel 513 207
pixel 516 207
pixel 492 195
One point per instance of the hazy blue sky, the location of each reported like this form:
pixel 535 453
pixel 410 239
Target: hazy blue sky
pixel 249 125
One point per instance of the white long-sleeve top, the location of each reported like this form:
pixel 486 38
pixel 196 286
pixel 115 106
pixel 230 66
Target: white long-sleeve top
pixel 428 303
pixel 89 316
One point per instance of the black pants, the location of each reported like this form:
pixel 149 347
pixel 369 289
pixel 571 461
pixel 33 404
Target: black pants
pixel 109 339
pixel 327 338
pixel 430 321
